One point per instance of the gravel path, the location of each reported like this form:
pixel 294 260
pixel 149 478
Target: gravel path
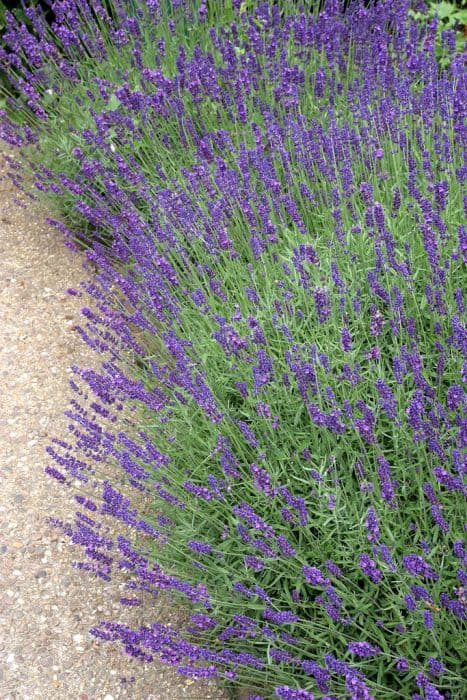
pixel 46 606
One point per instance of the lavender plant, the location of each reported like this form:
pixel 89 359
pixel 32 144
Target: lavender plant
pixel 282 310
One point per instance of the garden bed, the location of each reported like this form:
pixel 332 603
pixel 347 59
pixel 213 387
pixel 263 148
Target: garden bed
pixel 277 195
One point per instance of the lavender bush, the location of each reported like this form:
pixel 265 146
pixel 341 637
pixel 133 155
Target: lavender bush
pixel 274 200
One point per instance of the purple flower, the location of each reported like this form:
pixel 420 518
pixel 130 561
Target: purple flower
pixel 421 680
pixel 254 562
pixel 460 551
pixel 366 190
pixel 252 295
pixel 199 491
pixel 321 675
pixel 322 304
pixel 402 664
pixel 457 607
pixel 229 462
pixel 346 340
pixel 131 602
pixel 363 649
pixel 421 593
pixel 262 479
pixel 454 397
pixel 279 617
pixel 51 471
pixel 262 375
pixel 428 619
pixel 198 671
pixel 438 518
pixel 410 603
pixel 198 297
pixel 333 568
pixel 386 556
pixel 365 430
pixel 200 547
pixel 451 482
pixel 431 693
pixel 202 622
pixel 436 667
pixel 372 525
pixel 417 566
pixel 285 546
pixel 386 483
pixel 369 568
pixel 429 492
pixel 314 576
pixel 387 399
pixel 202 12
pixel 248 433
pixel 285 692
pixel 246 513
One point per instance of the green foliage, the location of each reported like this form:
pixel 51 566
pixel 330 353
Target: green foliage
pixel 450 15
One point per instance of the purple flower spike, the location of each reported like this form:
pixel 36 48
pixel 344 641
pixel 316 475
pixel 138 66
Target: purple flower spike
pixel 402 664
pixel 416 566
pixel 363 649
pixel 372 525
pixel 314 576
pixel 369 568
pixel 285 692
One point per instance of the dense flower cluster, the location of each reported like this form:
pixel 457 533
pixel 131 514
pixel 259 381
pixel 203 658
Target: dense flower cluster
pixel 273 200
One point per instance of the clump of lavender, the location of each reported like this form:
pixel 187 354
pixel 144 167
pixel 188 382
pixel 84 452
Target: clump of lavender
pixel 282 309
